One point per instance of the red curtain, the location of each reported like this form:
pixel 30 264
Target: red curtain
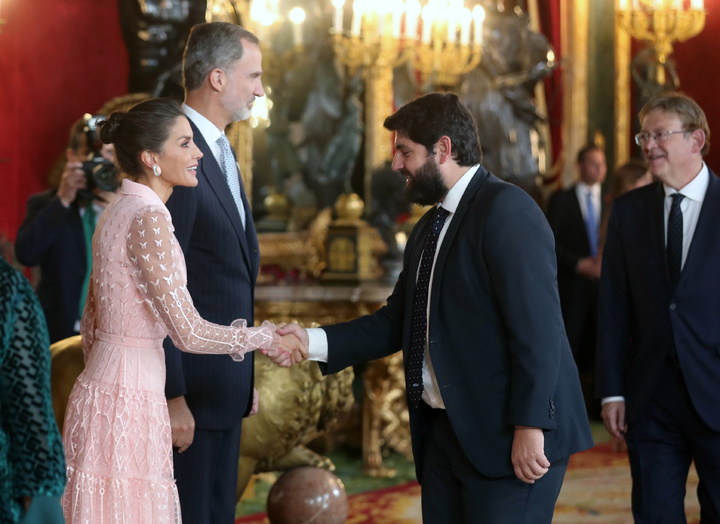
pixel 550 26
pixel 58 60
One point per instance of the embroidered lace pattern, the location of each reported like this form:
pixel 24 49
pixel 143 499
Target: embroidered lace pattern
pixel 117 431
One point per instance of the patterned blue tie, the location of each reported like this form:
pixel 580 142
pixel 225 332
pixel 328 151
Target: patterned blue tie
pixel 413 370
pixel 675 239
pixel 229 167
pixel 591 224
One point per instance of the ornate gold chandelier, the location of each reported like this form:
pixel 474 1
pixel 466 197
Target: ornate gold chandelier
pixel 661 22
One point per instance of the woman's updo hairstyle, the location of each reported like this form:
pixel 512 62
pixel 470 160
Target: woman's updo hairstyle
pixel 144 127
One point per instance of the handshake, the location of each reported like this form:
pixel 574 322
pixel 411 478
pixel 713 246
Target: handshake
pixel 290 345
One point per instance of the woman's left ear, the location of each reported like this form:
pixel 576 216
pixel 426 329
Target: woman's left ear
pixel 147 158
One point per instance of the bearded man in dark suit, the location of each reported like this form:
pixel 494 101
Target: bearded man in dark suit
pixel 493 392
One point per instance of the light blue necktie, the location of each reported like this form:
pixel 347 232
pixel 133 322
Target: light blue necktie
pixel 591 224
pixel 229 167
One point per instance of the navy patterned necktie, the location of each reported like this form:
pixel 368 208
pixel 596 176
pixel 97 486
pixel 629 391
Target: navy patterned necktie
pixel 675 240
pixel 413 369
pixel 229 167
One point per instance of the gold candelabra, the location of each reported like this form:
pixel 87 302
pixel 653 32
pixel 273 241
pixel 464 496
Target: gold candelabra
pixel 445 51
pixel 383 34
pixel 375 55
pixel 661 22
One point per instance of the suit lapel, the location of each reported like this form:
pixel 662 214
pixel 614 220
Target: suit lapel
pixel 210 169
pixel 253 246
pixel 576 210
pixel 654 213
pixel 423 228
pixel 705 228
pixel 78 230
pixel 481 175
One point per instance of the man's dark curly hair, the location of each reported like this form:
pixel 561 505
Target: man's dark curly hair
pixel 428 118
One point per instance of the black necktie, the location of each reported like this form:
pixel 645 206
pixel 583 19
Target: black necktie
pixel 413 370
pixel 675 239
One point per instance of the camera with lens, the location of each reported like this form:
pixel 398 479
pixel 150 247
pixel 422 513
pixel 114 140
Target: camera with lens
pixel 100 172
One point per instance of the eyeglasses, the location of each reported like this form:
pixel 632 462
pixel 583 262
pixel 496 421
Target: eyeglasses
pixel 642 138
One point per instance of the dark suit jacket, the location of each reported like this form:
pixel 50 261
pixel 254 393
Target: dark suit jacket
pixel 641 318
pixel 578 294
pixel 222 262
pixel 496 335
pixel 52 237
pixel 571 239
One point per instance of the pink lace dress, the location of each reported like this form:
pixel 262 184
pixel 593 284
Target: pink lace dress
pixel 117 429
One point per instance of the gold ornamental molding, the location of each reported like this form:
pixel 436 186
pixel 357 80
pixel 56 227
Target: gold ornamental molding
pixel 623 90
pixel 574 29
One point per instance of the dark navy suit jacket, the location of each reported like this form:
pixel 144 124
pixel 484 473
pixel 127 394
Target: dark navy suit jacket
pixel 222 262
pixel 641 318
pixel 52 237
pixel 578 294
pixel 496 335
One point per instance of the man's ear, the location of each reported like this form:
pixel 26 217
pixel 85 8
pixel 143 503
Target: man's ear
pixel 217 79
pixel 698 137
pixel 443 148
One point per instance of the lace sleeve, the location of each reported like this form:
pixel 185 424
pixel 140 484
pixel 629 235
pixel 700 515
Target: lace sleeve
pixel 161 279
pixel 87 324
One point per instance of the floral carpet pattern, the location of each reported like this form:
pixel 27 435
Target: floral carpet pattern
pixel 596 491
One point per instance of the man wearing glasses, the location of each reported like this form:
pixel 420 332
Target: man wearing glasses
pixel 659 317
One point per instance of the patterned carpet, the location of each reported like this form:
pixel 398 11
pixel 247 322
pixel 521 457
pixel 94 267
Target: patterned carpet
pixel 596 491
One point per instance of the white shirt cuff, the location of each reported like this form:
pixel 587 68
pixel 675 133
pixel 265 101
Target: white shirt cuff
pixel 317 344
pixel 612 399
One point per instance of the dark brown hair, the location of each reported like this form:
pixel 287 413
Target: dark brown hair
pixel 145 127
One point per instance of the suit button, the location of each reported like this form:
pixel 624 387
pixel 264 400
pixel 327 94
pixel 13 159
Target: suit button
pixel 672 306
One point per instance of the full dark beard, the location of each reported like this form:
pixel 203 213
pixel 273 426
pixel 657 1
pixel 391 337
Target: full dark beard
pixel 426 186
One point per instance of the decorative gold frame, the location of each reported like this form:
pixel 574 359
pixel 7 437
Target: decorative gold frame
pixel 574 49
pixel 623 118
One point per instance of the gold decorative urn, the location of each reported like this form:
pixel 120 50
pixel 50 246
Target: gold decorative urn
pixel 353 246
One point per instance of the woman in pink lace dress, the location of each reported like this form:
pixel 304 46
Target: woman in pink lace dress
pixel 117 430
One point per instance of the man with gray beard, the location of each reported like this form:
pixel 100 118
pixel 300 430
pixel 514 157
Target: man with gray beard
pixel 208 397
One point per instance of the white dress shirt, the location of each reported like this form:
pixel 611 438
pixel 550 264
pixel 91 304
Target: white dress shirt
pixel 211 133
pixel 690 206
pixel 208 130
pixel 318 345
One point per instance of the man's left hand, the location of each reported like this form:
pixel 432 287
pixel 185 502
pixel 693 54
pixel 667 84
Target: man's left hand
pixel 528 457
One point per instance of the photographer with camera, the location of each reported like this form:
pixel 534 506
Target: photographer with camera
pixel 57 231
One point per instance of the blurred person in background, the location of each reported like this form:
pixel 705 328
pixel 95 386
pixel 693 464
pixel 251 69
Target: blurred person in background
pixel 58 228
pixel 575 215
